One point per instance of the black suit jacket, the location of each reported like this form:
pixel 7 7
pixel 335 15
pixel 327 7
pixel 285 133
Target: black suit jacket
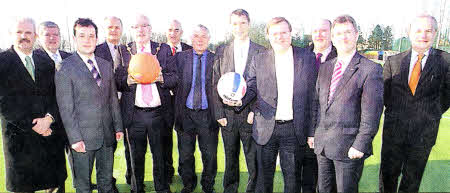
pixel 420 112
pixel 184 66
pixel 127 101
pixel 102 51
pixel 29 157
pixel 262 84
pixel 185 46
pixel 42 52
pixel 223 63
pixel 352 116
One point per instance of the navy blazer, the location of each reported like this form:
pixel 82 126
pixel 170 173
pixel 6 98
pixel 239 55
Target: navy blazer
pixel 262 84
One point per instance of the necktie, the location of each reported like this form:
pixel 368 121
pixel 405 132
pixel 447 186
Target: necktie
pixel 198 83
pixel 318 60
pixel 147 95
pixel 174 50
pixel 415 74
pixel 337 75
pixel 55 58
pixel 95 73
pixel 29 66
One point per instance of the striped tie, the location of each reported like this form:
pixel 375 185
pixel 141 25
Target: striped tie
pixel 95 73
pixel 337 75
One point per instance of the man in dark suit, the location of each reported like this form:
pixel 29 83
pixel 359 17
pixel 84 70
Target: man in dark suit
pixel 146 107
pixel 324 51
pixel 416 94
pixel 194 112
pixel 50 41
pixel 173 34
pixel 235 57
pixel 33 143
pixel 111 50
pixel 348 107
pixel 87 99
pixel 282 80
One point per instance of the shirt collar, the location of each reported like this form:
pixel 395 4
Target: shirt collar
pixel 416 54
pixel 23 55
pixel 346 59
pixel 85 59
pixel 325 52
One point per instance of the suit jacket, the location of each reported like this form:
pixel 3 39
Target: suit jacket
pixel 90 113
pixel 185 46
pixel 223 63
pixel 129 91
pixel 33 162
pixel 352 116
pixel 262 84
pixel 420 112
pixel 102 51
pixel 331 55
pixel 63 54
pixel 184 66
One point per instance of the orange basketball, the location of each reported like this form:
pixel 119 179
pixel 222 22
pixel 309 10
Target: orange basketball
pixel 144 68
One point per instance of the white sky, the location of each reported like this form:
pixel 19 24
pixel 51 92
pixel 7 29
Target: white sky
pixel 214 14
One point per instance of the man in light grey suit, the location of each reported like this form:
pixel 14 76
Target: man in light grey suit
pixel 87 99
pixel 282 81
pixel 348 106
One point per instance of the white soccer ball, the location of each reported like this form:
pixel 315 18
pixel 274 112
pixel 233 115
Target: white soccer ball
pixel 232 86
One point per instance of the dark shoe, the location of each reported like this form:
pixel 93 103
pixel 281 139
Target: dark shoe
pixel 93 186
pixel 187 190
pixel 128 179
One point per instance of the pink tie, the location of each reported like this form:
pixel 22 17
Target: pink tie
pixel 147 95
pixel 337 75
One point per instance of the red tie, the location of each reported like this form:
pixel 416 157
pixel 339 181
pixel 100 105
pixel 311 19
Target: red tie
pixel 174 50
pixel 147 95
pixel 337 75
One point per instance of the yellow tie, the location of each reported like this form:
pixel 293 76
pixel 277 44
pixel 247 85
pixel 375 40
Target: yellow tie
pixel 415 74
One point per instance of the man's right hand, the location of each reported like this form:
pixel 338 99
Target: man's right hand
pixel 79 147
pixel 222 122
pixel 131 80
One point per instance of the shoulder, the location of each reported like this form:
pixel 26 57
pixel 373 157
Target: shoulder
pixel 369 65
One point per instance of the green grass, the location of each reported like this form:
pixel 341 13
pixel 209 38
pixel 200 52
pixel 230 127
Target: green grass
pixel 436 177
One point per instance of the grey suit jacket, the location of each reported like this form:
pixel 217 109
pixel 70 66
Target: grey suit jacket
pixel 352 116
pixel 262 84
pixel 90 113
pixel 223 63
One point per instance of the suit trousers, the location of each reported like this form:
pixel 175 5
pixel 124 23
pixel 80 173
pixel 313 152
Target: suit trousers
pixel 232 146
pixel 284 142
pixel 342 174
pixel 147 125
pixel 207 141
pixel 168 146
pixel 83 164
pixel 306 172
pixel 408 159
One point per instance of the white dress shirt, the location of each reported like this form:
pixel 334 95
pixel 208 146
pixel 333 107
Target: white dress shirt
pixel 284 68
pixel 156 100
pixel 414 58
pixel 240 55
pixel 58 58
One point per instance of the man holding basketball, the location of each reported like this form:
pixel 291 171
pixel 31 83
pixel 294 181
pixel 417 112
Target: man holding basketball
pixel 235 57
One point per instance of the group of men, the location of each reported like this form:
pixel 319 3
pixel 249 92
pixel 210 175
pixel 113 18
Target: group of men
pixel 318 108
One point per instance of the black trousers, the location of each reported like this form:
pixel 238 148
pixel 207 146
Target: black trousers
pixel 231 142
pixel 168 145
pixel 285 143
pixel 147 126
pixel 83 164
pixel 408 159
pixel 341 174
pixel 207 140
pixel 307 170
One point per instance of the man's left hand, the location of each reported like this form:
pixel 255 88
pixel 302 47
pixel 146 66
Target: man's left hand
pixel 354 153
pixel 233 103
pixel 42 125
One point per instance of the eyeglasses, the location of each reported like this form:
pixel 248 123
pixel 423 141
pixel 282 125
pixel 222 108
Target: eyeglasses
pixel 140 26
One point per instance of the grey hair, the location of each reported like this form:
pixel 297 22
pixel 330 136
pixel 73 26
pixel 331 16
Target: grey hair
pixel 24 19
pixel 433 20
pixel 48 24
pixel 113 17
pixel 202 27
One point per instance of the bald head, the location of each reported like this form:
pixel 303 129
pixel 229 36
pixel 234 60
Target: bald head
pixel 113 29
pixel 141 29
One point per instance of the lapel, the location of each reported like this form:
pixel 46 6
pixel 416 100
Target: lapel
pixel 209 65
pixel 429 66
pixel 348 73
pixel 103 68
pixel 188 71
pixel 154 46
pixel 38 68
pixel 251 52
pixel 21 69
pixel 271 78
pixel 228 60
pixel 298 70
pixel 86 73
pixel 404 70
pixel 106 51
